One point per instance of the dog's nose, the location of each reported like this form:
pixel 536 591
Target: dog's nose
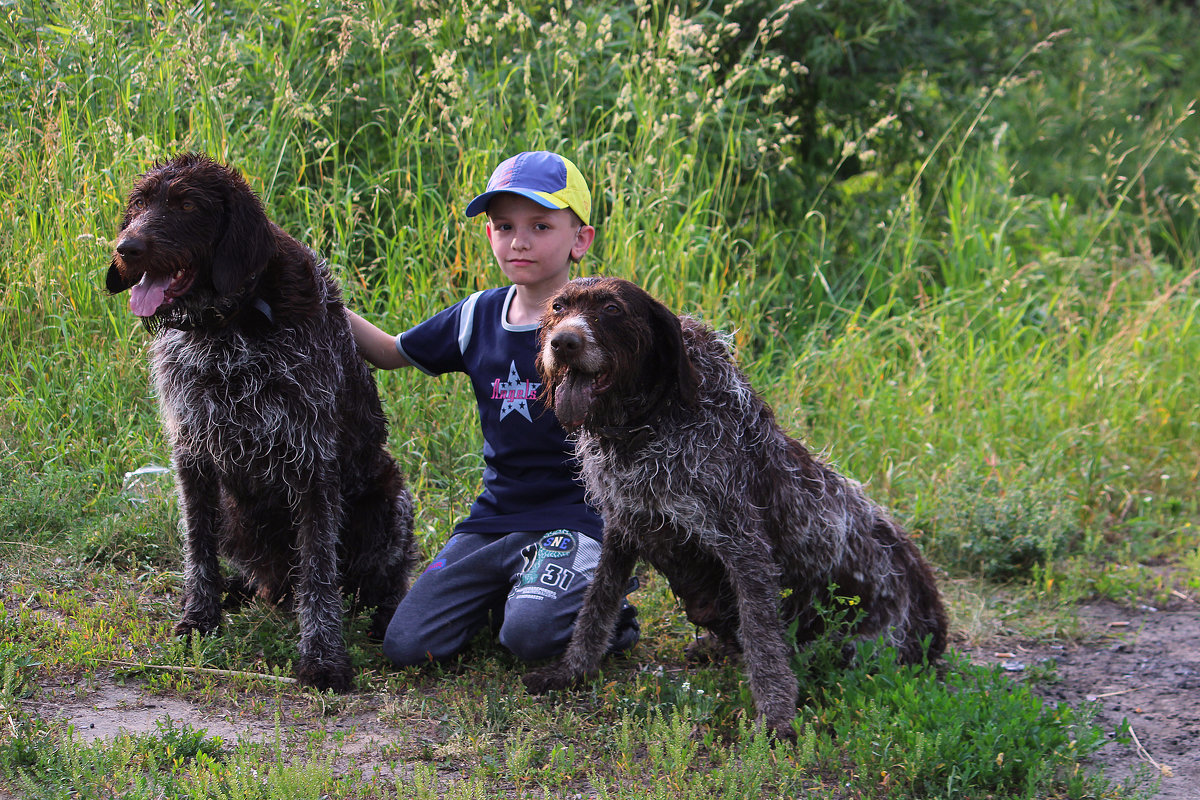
pixel 131 247
pixel 566 342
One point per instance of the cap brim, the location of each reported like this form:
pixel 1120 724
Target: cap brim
pixel 480 203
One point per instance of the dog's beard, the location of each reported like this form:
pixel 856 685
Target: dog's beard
pixel 200 310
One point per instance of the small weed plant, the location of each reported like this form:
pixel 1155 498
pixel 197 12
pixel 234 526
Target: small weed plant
pixel 948 729
pixel 957 730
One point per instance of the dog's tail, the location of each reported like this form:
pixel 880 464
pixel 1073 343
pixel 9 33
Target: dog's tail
pixel 918 619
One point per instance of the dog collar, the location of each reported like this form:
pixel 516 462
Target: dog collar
pixel 265 308
pixel 632 435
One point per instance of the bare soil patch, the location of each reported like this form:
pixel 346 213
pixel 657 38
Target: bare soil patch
pixel 1140 665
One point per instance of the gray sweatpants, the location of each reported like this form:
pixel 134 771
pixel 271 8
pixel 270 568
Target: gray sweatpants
pixel 531 582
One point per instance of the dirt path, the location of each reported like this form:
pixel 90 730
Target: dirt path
pixel 1143 666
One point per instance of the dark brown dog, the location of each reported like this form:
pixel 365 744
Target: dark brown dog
pixel 276 430
pixel 693 474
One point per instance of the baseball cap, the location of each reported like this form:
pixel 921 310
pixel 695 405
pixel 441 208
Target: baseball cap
pixel 544 177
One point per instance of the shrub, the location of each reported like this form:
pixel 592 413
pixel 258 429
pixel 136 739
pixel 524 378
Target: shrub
pixel 1002 529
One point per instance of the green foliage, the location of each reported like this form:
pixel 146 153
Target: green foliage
pixel 651 696
pixel 176 761
pixel 134 535
pixel 71 511
pixel 23 751
pixel 50 764
pixel 178 744
pixel 41 507
pixel 951 729
pixel 823 658
pixel 957 731
pixel 1002 529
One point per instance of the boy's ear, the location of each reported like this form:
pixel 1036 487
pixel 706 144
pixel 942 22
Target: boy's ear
pixel 583 240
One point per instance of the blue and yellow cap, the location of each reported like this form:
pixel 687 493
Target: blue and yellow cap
pixel 544 177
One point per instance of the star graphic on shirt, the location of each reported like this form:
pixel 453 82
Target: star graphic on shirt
pixel 515 393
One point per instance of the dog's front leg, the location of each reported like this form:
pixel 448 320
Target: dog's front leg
pixel 324 663
pixel 755 580
pixel 200 501
pixel 595 624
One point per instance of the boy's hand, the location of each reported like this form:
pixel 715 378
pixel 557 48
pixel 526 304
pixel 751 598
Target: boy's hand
pixel 377 346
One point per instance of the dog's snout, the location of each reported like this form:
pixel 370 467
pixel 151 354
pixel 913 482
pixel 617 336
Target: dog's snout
pixel 566 342
pixel 131 247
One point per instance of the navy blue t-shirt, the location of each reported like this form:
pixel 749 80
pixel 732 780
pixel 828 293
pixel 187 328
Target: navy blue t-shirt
pixel 529 477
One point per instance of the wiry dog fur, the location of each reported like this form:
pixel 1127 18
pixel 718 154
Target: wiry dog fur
pixel 275 425
pixel 693 475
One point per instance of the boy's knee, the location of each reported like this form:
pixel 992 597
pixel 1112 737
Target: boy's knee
pixel 414 651
pixel 400 654
pixel 533 638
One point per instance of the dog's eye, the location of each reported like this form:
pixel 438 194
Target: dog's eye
pixel 612 308
pixel 188 205
pixel 556 307
pixel 137 204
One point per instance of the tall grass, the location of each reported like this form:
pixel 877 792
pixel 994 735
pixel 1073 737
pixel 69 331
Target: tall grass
pixel 366 129
pixel 928 325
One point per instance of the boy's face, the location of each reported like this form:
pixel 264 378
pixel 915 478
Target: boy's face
pixel 535 245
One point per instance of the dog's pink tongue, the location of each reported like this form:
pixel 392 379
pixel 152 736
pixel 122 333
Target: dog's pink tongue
pixel 148 295
pixel 573 398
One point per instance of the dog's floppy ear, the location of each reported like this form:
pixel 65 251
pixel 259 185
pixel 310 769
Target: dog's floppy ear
pixel 114 282
pixel 669 345
pixel 247 242
pixel 547 390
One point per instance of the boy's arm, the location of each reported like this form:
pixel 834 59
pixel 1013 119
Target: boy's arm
pixel 377 346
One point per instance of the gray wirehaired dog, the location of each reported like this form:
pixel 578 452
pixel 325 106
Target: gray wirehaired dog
pixel 693 474
pixel 276 431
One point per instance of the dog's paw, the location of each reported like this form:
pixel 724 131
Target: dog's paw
pixel 188 628
pixel 324 674
pixel 201 614
pixel 712 649
pixel 781 730
pixel 548 679
pixel 196 624
pixel 380 621
pixel 238 591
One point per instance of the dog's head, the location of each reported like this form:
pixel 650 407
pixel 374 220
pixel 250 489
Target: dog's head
pixel 193 244
pixel 611 355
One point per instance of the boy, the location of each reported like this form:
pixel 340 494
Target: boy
pixel 530 545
